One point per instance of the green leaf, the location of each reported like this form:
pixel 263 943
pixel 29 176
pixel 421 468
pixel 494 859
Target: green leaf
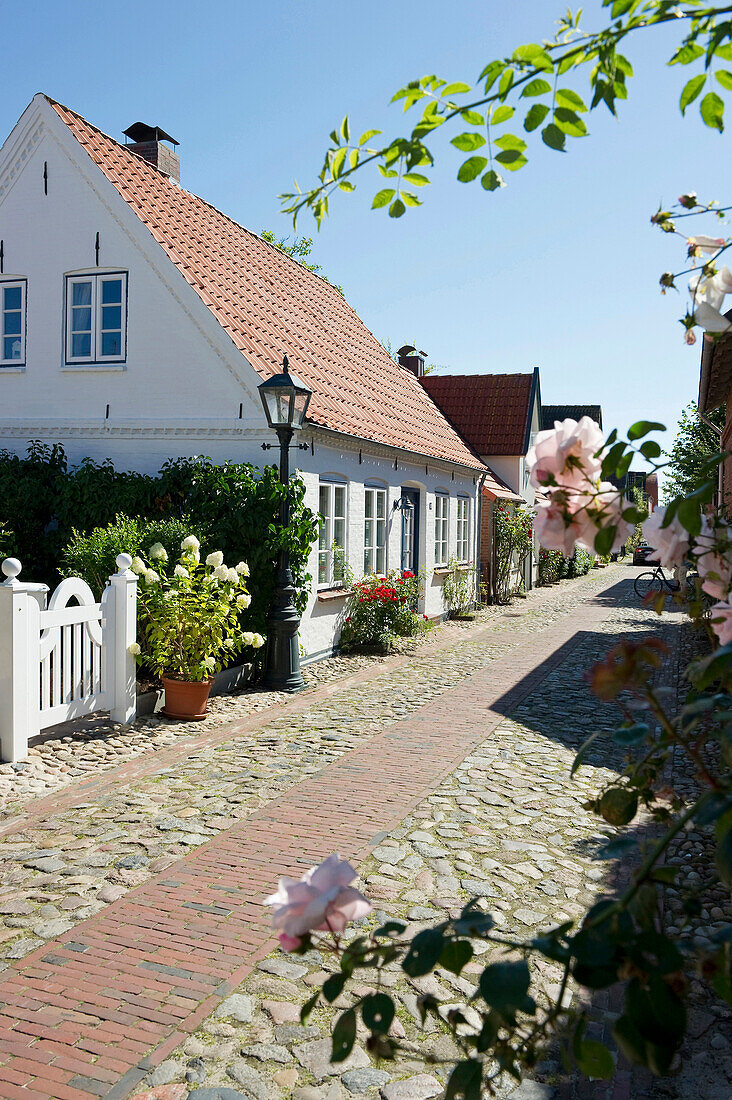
pixel 345 129
pixel 465 1081
pixel 689 515
pixel 611 459
pixel 377 1010
pixel 416 179
pixel 468 143
pixel 691 90
pixel 367 135
pixel 502 114
pixel 724 76
pixel 396 209
pixel 512 159
pixel 424 952
pixel 471 168
pixel 687 53
pixel 624 465
pixel 455 955
pixel 619 805
pixel 535 55
pixel 552 136
pixel 712 111
pixel 535 116
pixel 593 1059
pixel 455 89
pixel 643 427
pixel 510 141
pixel 381 198
pixel 409 199
pixel 630 735
pixel 491 73
pixel 505 84
pixel 569 122
pixel 505 985
pixel 333 986
pixel 492 181
pixel 650 449
pixel 565 97
pixel 344 1036
pixel 474 118
pixel 536 87
pixel 620 7
pixel 604 540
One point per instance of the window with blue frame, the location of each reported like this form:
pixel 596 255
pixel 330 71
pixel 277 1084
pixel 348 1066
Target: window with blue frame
pixel 96 318
pixel 12 323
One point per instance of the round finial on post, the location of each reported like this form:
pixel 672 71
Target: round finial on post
pixel 124 561
pixel 11 567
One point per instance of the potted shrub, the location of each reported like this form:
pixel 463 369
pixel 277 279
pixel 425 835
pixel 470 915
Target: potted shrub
pixel 458 590
pixel 189 621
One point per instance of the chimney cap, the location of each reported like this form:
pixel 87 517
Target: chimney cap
pixel 140 132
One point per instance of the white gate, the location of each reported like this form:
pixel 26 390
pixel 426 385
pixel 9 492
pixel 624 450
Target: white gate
pixel 65 661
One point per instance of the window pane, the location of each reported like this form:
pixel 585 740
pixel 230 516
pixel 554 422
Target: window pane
pixel 322 568
pixel 12 324
pixel 111 343
pixel 380 533
pixel 368 560
pixel 339 532
pixel 380 503
pixel 368 533
pixel 81 345
pixel 81 294
pixel 369 503
pixel 11 347
pixel 111 291
pixel 12 299
pixel 81 320
pixel 339 501
pixel 380 560
pixel 112 317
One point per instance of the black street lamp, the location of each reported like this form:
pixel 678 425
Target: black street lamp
pixel 285 399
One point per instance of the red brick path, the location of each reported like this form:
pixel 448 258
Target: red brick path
pixel 92 1012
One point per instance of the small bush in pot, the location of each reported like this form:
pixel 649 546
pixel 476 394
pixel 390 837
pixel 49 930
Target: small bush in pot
pixel 189 620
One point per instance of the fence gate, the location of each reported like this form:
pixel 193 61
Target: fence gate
pixel 67 660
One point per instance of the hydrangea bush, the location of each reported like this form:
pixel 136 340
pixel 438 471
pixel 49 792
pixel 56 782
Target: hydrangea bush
pixel 189 612
pixel 510 1019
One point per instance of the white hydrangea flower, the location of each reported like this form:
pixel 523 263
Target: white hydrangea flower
pixel 233 576
pixel 221 573
pixel 190 543
pixel 242 569
pixel 138 565
pixel 216 558
pixel 133 649
pixel 257 641
pixel 181 571
pixel 243 600
pixel 210 662
pixel 157 552
pixel 151 577
pixel 247 637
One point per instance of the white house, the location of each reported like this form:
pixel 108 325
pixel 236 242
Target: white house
pixel 136 322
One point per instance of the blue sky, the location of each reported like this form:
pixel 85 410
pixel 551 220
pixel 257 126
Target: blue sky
pixel 558 270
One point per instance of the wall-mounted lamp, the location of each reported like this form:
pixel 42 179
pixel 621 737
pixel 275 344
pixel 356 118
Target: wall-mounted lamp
pixel 403 505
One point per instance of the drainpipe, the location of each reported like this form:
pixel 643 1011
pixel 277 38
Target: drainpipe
pixel 720 469
pixel 478 536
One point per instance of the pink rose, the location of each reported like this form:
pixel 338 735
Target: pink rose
pixel 599 509
pixel 671 542
pixel 714 558
pixel 321 899
pixel 565 454
pixel 556 528
pixel 722 621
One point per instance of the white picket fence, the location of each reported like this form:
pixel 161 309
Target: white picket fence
pixel 66 660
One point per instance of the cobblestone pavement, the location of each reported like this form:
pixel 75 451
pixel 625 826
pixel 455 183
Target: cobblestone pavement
pixel 460 754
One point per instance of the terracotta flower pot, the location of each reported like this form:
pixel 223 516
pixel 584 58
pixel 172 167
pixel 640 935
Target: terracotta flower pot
pixel 186 699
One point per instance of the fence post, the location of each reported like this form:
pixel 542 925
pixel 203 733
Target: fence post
pixel 19 644
pixel 118 637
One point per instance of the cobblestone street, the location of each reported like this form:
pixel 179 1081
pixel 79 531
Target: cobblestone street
pixel 135 950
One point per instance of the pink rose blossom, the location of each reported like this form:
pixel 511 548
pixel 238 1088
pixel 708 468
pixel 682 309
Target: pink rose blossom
pixel 722 621
pixel 556 528
pixel 714 559
pixel 671 542
pixel 322 899
pixel 599 509
pixel 565 454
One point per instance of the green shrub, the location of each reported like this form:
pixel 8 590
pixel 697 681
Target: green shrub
pixel 382 608
pixel 458 589
pixel 92 556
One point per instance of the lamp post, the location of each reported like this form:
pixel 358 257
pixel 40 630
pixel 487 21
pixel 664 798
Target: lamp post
pixel 285 400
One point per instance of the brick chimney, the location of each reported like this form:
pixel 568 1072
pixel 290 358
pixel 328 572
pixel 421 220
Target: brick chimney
pixel 147 142
pixel 412 359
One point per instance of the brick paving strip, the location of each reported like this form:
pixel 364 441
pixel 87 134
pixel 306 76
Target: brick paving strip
pixel 91 1012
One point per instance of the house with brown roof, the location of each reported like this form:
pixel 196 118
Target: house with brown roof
pixel 499 416
pixel 136 322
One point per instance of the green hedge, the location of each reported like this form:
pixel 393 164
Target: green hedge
pixel 50 508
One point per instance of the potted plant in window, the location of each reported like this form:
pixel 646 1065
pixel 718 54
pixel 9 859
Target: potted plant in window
pixel 189 622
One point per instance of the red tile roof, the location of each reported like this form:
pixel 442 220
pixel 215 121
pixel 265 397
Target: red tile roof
pixel 491 411
pixel 269 304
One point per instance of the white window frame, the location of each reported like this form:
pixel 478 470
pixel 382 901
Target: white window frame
pixel 97 280
pixel 22 285
pixel 374 550
pixel 463 529
pixel 442 529
pixel 329 493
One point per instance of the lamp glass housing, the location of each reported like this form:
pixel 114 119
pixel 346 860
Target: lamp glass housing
pixel 285 399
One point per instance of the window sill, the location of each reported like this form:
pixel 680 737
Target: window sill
pixel 9 369
pixel 326 594
pixel 441 571
pixel 95 367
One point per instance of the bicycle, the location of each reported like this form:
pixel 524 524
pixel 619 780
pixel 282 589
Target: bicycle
pixel 655 581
